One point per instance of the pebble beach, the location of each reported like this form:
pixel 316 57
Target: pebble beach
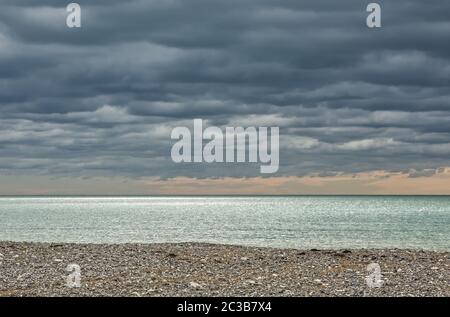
pixel 196 269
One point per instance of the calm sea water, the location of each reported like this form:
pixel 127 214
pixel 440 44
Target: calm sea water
pixel 299 222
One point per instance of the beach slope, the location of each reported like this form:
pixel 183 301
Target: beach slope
pixel 193 269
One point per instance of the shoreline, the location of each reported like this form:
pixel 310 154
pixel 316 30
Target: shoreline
pixel 224 244
pixel 203 269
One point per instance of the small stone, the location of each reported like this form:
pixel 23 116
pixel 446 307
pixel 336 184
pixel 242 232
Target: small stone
pixel 244 258
pixel 194 285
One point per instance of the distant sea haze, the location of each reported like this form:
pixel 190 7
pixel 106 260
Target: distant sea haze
pixel 303 222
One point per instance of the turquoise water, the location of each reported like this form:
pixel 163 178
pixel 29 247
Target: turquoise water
pixel 298 222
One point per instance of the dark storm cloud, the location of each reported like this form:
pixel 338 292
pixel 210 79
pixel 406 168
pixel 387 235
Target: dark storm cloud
pixel 101 100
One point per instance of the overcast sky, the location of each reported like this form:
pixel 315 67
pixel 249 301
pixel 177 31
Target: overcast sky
pixel 95 106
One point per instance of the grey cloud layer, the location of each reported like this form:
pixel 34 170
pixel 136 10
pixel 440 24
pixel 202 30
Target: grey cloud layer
pixel 101 100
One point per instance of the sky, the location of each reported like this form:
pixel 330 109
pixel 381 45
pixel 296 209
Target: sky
pixel 90 110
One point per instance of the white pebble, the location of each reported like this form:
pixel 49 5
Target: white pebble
pixel 194 285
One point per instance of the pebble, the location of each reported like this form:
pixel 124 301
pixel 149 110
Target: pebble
pixel 195 285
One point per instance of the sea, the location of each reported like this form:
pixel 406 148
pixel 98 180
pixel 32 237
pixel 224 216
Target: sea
pixel 302 222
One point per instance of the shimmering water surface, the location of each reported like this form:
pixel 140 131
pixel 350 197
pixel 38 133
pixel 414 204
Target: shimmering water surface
pixel 299 222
